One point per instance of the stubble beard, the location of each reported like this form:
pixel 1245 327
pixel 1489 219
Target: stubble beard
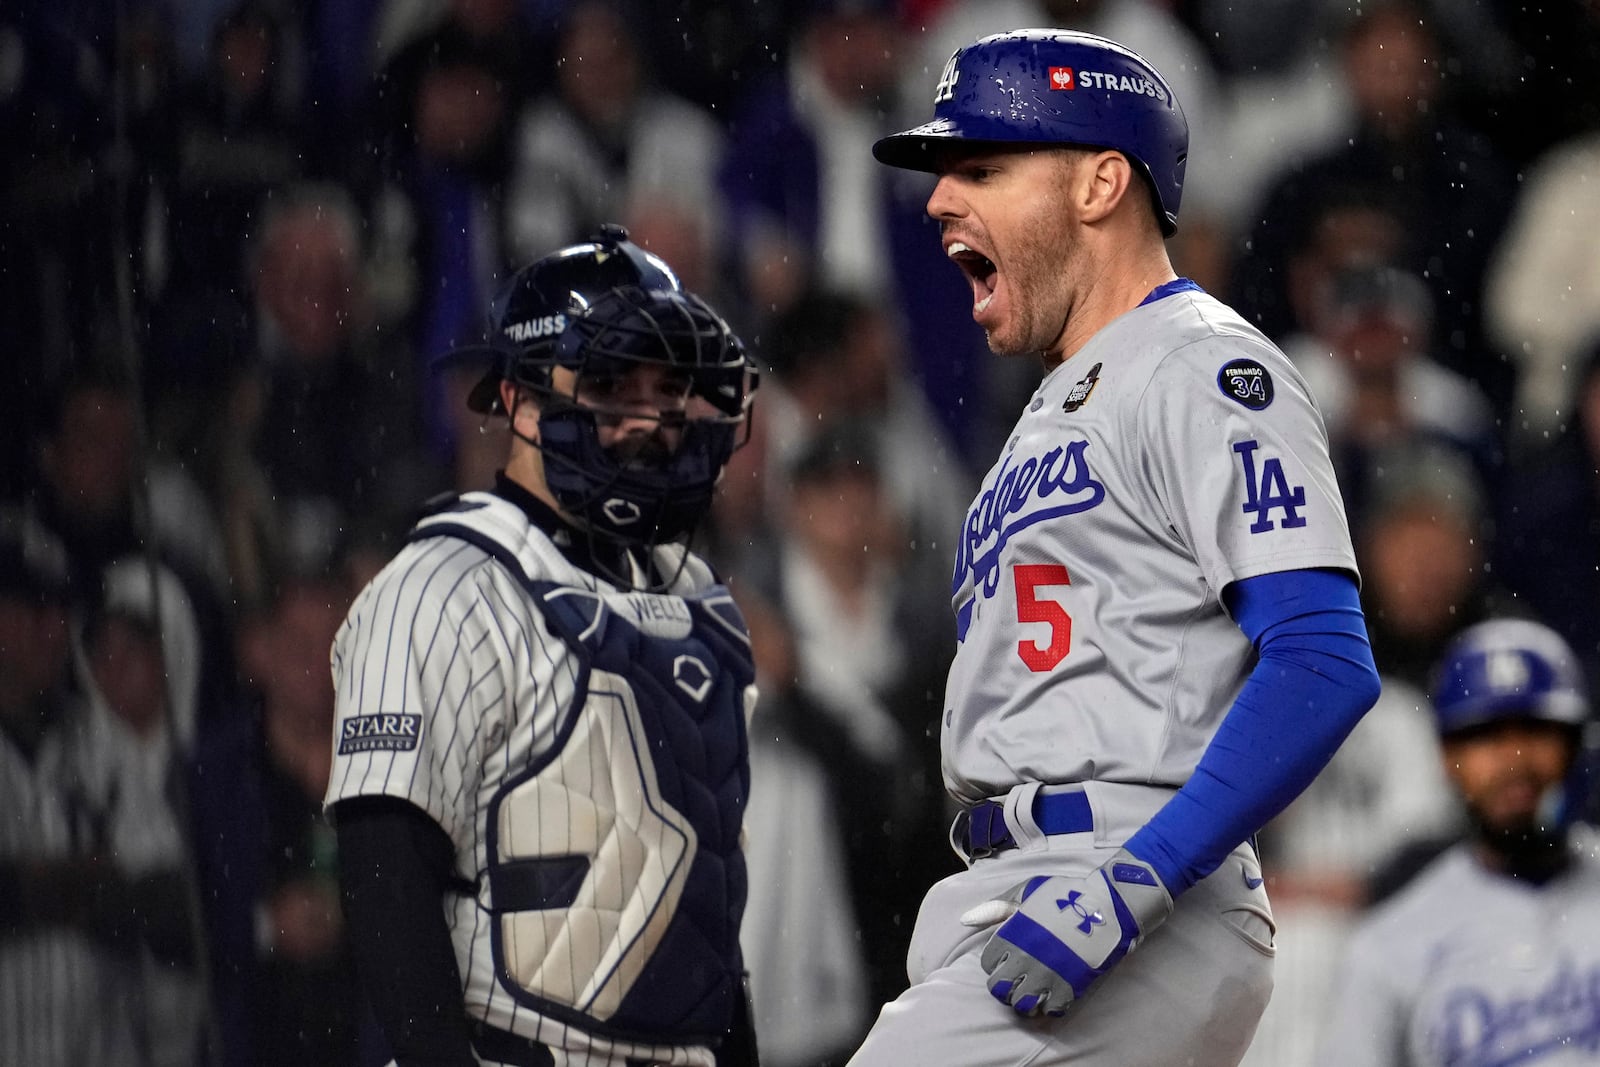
pixel 1526 848
pixel 1038 271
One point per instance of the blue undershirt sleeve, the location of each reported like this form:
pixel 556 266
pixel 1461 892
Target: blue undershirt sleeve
pixel 1313 681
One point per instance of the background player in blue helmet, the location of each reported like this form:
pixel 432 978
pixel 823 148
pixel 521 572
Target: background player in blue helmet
pixel 541 759
pixel 1491 955
pixel 1155 594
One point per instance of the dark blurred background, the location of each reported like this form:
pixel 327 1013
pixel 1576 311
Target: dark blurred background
pixel 234 237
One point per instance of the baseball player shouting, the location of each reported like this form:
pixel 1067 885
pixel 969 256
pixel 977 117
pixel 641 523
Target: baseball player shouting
pixel 1492 955
pixel 1155 595
pixel 541 759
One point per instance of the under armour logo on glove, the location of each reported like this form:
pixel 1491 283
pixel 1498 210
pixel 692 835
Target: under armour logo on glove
pixel 1090 918
pixel 1058 936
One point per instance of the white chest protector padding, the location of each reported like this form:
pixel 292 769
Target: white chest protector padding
pixel 598 798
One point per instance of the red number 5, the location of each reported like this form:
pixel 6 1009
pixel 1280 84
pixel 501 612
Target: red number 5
pixel 1031 609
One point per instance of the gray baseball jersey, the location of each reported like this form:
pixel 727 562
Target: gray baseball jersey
pixel 502 690
pixel 1176 452
pixel 1468 968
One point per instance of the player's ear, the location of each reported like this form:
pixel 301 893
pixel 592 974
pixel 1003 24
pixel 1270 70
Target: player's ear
pixel 509 395
pixel 1103 180
pixel 521 407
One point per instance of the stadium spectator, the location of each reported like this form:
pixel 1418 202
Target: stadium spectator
pixel 66 996
pixel 811 1008
pixel 870 654
pixel 139 671
pixel 1422 544
pixel 607 141
pixel 837 357
pixel 1542 296
pixel 285 981
pixel 445 105
pixel 1412 155
pixel 320 426
pixel 809 207
pixel 1547 521
pixel 1368 363
pixel 240 133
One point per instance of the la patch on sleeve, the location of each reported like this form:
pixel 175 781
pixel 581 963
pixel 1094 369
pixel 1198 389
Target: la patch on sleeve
pixel 1267 490
pixel 384 732
pixel 1246 381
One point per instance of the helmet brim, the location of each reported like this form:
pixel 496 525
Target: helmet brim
pixel 484 357
pixel 922 147
pixel 914 149
pixel 1560 708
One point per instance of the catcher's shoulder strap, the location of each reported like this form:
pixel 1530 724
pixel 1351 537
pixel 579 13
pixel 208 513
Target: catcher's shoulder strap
pixel 500 529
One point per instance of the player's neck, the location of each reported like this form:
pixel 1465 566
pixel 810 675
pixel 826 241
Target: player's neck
pixel 539 507
pixel 600 556
pixel 1107 296
pixel 525 469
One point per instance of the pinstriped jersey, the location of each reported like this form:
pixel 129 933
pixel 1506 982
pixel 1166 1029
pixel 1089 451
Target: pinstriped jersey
pixel 62 999
pixel 1176 452
pixel 584 747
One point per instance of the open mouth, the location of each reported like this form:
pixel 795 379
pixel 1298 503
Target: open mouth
pixel 980 271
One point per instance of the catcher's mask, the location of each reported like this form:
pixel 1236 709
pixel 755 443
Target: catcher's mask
pixel 657 490
pixel 599 309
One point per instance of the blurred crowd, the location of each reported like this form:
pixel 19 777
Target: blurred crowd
pixel 235 238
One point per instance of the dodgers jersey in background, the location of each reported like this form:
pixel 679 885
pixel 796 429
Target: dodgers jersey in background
pixel 1465 967
pixel 1176 452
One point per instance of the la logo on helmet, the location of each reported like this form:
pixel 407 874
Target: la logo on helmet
pixel 946 89
pixel 1061 78
pixel 1507 671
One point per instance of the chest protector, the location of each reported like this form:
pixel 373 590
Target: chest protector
pixel 616 879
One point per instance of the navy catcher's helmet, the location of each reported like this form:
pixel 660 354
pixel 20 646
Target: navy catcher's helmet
pixel 1055 87
pixel 534 307
pixel 1508 669
pixel 596 309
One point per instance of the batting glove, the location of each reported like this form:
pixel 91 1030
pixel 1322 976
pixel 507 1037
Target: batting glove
pixel 1058 936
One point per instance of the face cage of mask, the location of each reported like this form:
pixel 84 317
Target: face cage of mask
pixel 629 506
pixel 640 500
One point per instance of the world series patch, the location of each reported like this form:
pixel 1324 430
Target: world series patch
pixel 384 732
pixel 1080 392
pixel 1246 381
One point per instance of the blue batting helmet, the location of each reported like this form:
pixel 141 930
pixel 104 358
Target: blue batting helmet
pixel 1055 87
pixel 1508 669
